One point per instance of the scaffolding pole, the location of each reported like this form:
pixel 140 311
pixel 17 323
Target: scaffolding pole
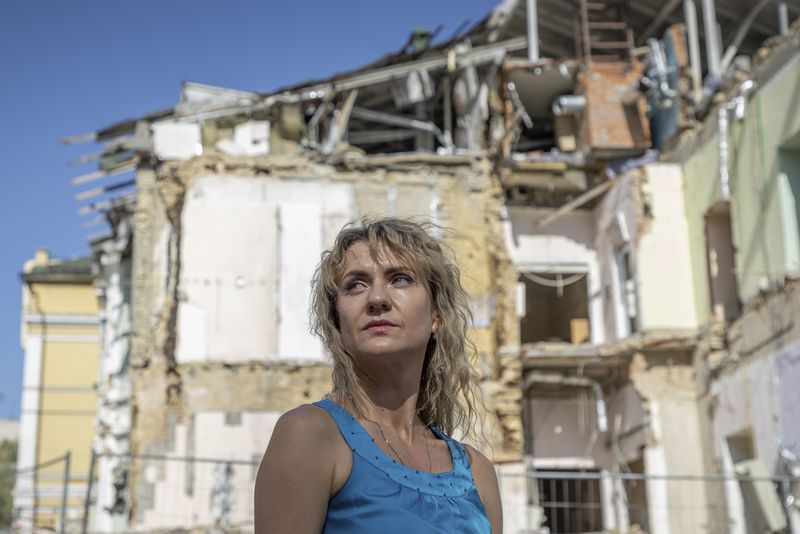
pixel 88 502
pixel 693 36
pixel 783 18
pixel 712 38
pixel 533 31
pixel 65 494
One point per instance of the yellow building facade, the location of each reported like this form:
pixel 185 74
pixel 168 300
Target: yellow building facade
pixel 60 338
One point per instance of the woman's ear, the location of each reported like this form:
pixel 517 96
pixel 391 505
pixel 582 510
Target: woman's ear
pixel 435 323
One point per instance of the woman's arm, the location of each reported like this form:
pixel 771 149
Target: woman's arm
pixel 488 490
pixel 294 481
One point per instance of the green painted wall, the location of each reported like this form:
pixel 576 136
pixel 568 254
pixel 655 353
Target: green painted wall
pixel 764 193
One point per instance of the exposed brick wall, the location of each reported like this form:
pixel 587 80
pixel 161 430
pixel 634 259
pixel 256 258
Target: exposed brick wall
pixel 614 119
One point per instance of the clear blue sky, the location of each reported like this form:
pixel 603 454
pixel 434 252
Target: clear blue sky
pixel 74 66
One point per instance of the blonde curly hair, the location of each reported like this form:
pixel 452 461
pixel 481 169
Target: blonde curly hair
pixel 449 382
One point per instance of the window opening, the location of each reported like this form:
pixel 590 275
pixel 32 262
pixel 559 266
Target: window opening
pixel 721 267
pixel 556 308
pixel 571 504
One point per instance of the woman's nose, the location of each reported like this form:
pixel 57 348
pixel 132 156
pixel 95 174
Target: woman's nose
pixel 378 299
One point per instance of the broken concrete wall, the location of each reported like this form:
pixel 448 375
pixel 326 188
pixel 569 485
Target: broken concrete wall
pixel 754 392
pixel 230 245
pixel 763 199
pixel 665 380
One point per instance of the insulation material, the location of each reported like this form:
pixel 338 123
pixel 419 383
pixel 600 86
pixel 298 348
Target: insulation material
pixel 176 141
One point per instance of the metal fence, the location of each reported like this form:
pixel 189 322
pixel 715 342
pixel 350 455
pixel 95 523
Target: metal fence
pixel 42 496
pixel 215 495
pixel 170 494
pixel 567 502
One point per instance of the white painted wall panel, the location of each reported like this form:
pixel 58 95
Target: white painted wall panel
pixel 176 140
pixel 228 269
pixel 664 258
pixel 193 328
pixel 300 248
pixel 182 492
pixel 253 137
pixel 228 266
pixel 249 247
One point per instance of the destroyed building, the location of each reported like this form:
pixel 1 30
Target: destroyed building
pixel 626 205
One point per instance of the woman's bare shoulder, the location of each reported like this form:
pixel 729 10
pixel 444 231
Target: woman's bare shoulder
pixel 306 420
pixel 486 483
pixel 296 476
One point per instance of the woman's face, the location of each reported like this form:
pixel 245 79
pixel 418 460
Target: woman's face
pixel 384 306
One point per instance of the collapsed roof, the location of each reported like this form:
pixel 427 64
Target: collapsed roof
pixel 484 91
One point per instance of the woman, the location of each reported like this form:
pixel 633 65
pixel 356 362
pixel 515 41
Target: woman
pixel 376 456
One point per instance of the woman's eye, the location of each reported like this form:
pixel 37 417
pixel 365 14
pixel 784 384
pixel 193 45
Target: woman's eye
pixel 355 285
pixel 402 279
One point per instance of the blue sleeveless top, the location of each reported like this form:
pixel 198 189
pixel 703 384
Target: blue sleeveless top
pixel 382 495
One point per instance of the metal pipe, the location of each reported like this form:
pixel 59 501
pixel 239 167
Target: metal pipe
pixel 666 93
pixel 533 31
pixel 395 120
pixel 783 18
pixel 663 15
pixel 568 104
pixel 575 203
pixel 724 175
pixel 447 90
pixel 712 38
pixel 65 493
pixel 693 36
pixel 741 32
pixel 600 406
pixel 87 502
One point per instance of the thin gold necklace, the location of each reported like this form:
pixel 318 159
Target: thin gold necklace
pixel 383 436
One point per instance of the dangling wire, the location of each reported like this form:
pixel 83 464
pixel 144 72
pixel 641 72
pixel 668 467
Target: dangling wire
pixel 559 283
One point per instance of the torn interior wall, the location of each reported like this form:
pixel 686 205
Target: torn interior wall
pixel 741 203
pixel 227 298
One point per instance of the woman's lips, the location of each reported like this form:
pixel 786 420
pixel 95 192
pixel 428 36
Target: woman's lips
pixel 379 328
